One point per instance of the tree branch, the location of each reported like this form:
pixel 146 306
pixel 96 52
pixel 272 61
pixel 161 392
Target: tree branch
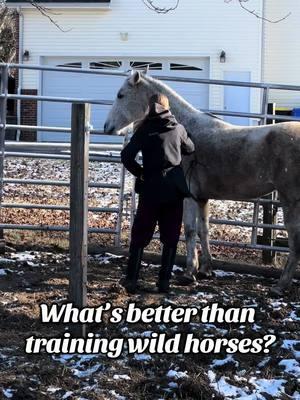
pixel 256 14
pixel 163 10
pixel 46 13
pixel 160 10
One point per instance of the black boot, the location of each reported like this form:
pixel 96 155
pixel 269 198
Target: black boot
pixel 133 267
pixel 167 262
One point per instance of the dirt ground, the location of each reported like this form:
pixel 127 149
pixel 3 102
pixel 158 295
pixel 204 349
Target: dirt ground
pixel 30 278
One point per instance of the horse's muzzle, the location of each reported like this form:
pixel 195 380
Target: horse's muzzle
pixel 108 130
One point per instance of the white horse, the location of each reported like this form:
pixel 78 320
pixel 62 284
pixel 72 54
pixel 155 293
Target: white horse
pixel 230 163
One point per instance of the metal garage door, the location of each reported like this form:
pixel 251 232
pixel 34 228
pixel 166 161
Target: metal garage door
pixel 106 87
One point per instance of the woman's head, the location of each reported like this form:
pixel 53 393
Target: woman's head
pixel 159 99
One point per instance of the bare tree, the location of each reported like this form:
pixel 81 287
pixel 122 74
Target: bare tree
pixel 156 5
pixel 8 16
pixel 45 11
pixel 7 35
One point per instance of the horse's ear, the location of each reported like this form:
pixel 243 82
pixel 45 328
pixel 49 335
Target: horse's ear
pixel 134 78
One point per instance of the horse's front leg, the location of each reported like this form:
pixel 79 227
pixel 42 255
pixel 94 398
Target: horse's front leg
pixel 203 233
pixel 190 230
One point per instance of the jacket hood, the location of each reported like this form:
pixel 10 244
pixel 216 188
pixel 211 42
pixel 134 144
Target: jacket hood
pixel 161 118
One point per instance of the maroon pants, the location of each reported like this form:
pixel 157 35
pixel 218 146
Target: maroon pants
pixel 167 215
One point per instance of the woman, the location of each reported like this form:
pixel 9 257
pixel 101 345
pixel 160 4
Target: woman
pixel 161 185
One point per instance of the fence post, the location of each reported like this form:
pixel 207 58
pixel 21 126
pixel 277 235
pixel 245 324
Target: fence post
pixel 3 115
pixel 269 211
pixel 79 209
pixel 121 200
pixel 269 217
pixel 269 235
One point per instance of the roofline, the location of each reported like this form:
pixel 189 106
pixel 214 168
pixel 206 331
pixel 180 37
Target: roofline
pixel 103 5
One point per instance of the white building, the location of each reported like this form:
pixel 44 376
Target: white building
pixel 121 34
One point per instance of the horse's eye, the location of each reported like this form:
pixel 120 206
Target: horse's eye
pixel 120 96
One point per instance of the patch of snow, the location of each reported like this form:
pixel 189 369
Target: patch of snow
pixel 224 388
pixel 67 395
pixel 256 328
pixel 102 259
pixel 6 261
pixel 177 268
pixel 227 360
pixel 32 264
pixel 86 372
pixel 222 274
pixel 8 393
pixel 289 345
pixel 278 305
pixel 147 334
pixel 173 385
pixel 253 396
pixel 63 358
pixel 264 362
pixel 53 389
pixel 291 367
pixel 218 330
pixel 162 327
pixel 208 296
pixel 3 272
pixel 142 357
pixel 76 364
pixel 274 387
pixel 173 374
pixel 24 256
pixel 292 317
pixel 117 395
pixel 122 377
pixel 153 266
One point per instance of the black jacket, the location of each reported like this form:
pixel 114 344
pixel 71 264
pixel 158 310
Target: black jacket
pixel 162 141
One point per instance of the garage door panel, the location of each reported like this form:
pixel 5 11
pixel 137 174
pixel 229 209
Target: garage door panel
pixel 105 87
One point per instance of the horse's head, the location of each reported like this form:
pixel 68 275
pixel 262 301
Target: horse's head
pixel 131 104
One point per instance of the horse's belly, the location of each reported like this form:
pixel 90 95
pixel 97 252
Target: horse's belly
pixel 228 188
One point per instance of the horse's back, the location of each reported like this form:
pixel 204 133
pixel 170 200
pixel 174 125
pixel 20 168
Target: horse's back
pixel 283 144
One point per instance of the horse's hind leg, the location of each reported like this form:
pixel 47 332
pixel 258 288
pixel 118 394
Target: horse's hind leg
pixel 190 230
pixel 292 223
pixel 203 233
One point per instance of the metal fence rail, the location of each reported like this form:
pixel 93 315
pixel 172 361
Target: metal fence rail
pixel 98 152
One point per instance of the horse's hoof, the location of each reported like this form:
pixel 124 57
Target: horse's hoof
pixel 205 275
pixel 185 280
pixel 277 291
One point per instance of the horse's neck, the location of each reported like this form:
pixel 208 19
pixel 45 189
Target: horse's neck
pixel 184 112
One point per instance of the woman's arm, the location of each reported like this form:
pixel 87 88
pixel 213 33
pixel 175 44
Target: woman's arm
pixel 128 155
pixel 187 146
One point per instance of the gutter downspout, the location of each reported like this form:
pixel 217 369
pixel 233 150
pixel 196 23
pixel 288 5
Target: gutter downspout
pixel 263 42
pixel 20 80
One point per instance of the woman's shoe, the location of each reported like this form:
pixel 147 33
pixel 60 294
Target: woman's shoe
pixel 133 268
pixel 167 262
pixel 163 286
pixel 129 284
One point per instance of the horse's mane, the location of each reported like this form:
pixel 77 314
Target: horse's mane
pixel 161 84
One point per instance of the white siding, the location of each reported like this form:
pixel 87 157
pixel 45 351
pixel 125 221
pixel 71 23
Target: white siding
pixel 282 49
pixel 196 29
